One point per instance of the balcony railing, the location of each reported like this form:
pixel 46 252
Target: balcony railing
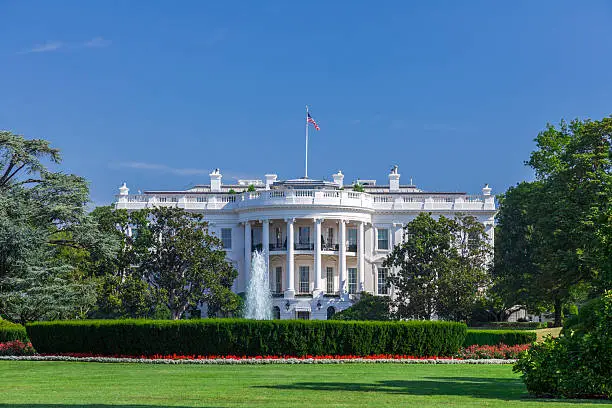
pixel 303 246
pixel 329 247
pixel 278 247
pixel 289 197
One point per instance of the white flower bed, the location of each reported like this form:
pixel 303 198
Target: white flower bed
pixel 255 360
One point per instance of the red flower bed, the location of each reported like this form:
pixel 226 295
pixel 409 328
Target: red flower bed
pixel 486 352
pixel 16 348
pixel 234 357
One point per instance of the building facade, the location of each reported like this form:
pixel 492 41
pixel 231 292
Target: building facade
pixel 323 243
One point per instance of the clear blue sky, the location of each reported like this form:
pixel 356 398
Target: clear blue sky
pixel 159 93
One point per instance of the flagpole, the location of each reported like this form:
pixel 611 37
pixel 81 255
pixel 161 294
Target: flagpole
pixel 306 163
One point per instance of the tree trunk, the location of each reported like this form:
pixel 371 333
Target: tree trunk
pixel 558 308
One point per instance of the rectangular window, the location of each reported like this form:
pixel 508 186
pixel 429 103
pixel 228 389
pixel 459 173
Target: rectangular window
pixel 382 281
pixel 226 237
pixel 352 280
pixel 304 235
pixel 383 238
pixel 304 279
pixel 330 238
pixel 329 275
pixel 352 239
pixel 278 280
pixel 278 235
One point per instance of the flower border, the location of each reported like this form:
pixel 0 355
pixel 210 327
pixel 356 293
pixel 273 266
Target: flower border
pixel 255 361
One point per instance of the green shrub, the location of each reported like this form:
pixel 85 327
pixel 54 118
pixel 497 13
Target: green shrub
pixel 510 325
pixel 495 337
pixel 578 364
pixel 369 307
pixel 247 337
pixel 12 331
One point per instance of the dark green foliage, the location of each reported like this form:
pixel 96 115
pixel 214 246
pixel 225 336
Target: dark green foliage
pixel 495 337
pixel 578 364
pixel 12 331
pixel 369 307
pixel 247 337
pixel 510 325
pixel 358 188
pixel 439 267
pixel 553 240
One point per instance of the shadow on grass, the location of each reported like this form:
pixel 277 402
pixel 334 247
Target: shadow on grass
pixel 476 387
pixel 89 406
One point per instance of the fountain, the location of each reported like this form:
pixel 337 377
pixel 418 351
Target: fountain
pixel 258 295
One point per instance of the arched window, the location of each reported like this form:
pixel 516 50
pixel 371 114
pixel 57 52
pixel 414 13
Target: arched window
pixel 276 312
pixel 330 312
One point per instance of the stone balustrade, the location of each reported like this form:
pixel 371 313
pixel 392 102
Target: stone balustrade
pixel 333 198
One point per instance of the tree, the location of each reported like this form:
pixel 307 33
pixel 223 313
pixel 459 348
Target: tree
pixel 439 268
pixel 368 307
pixel 464 282
pixel 45 233
pixel 20 156
pixel 555 232
pixel 184 265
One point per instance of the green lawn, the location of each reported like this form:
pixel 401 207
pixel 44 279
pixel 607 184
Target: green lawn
pixel 46 384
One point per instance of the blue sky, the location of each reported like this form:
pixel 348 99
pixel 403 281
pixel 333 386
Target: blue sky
pixel 159 93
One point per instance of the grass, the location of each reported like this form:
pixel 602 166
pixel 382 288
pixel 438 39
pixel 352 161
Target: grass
pixel 68 384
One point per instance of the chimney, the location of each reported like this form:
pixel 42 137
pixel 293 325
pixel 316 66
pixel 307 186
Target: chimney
pixel 215 180
pixel 124 190
pixel 270 179
pixel 339 178
pixel 486 190
pixel 394 179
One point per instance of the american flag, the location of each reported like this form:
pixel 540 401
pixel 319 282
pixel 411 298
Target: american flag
pixel 311 120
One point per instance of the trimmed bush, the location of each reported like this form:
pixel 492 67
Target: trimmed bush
pixel 12 331
pixel 222 337
pixel 578 364
pixel 495 337
pixel 511 325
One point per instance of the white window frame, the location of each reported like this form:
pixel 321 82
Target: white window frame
pixel 352 280
pixel 223 239
pixel 304 284
pixel 378 239
pixel 330 284
pixel 382 288
pixel 278 279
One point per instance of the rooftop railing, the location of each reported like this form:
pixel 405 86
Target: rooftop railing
pixel 289 197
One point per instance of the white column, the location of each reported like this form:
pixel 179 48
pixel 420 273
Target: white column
pixel 361 257
pixel 342 258
pixel 247 254
pixel 290 290
pixel 317 261
pixel 265 237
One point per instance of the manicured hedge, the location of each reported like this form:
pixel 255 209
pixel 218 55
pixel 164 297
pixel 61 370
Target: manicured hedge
pixel 511 325
pixel 12 331
pixel 495 337
pixel 240 337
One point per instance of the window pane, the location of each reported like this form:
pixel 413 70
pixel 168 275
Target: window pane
pixel 330 279
pixel 383 238
pixel 304 235
pixel 352 280
pixel 226 237
pixel 278 280
pixel 382 281
pixel 304 285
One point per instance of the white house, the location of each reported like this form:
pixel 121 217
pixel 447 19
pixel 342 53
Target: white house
pixel 324 243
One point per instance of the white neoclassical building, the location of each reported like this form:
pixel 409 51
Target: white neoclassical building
pixel 323 243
